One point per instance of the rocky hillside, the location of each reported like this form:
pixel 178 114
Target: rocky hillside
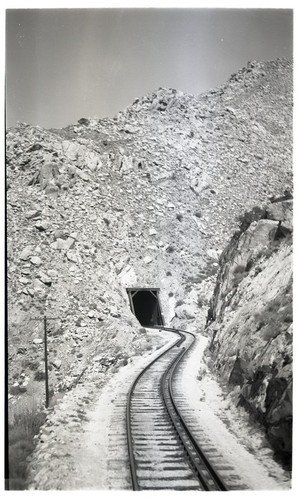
pixel 251 320
pixel 148 198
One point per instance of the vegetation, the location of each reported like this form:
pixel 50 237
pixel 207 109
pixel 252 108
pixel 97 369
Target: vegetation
pixel 255 214
pixel 25 425
pixel 239 273
pixel 39 375
pixel 275 318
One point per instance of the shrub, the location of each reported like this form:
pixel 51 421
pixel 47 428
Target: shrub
pixel 239 273
pixel 39 375
pixel 198 214
pixel 239 269
pixel 255 214
pixel 26 425
pixel 84 121
pixel 15 390
pixel 32 365
pixel 170 249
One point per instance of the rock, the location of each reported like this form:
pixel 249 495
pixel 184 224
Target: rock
pixel 34 147
pixel 71 256
pixel 22 350
pixel 212 254
pixel 152 232
pixel 69 243
pixel 24 281
pixel 37 341
pixel 237 374
pixel 47 173
pixel 57 363
pixel 259 234
pixel 147 259
pixel 129 129
pixel 83 175
pixel 52 191
pixel 185 311
pixel 126 165
pixel 52 273
pixel 121 264
pixel 60 234
pixel 33 214
pixel 26 271
pixel 42 225
pixel 282 211
pixel 36 261
pixel 192 136
pixel 59 244
pixel 26 253
pixel 45 279
pixel 72 150
pixel 251 318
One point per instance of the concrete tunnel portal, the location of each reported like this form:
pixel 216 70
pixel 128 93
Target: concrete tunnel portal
pixel 144 304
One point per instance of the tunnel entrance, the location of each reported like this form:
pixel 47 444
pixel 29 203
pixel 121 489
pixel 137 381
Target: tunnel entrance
pixel 144 303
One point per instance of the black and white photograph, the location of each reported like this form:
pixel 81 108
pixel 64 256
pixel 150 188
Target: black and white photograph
pixel 148 248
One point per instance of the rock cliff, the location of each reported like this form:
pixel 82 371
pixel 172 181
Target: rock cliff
pixel 251 319
pixel 146 199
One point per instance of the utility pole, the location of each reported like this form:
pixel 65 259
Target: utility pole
pixel 44 319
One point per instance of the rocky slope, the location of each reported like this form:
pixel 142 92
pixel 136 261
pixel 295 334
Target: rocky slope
pixel 251 319
pixel 148 198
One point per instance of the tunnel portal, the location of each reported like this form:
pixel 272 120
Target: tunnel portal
pixel 144 303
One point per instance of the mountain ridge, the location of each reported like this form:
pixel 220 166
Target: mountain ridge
pixel 149 198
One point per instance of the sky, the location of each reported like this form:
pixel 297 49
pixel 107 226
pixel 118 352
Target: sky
pixel 65 64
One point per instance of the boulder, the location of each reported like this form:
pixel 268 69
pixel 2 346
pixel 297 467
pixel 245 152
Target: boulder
pixel 36 261
pixel 33 214
pixel 26 253
pixel 71 150
pixel 42 225
pixel 24 281
pixel 52 191
pixel 37 341
pixel 61 234
pixel 47 173
pixel 71 256
pixel 57 363
pixel 82 175
pixel 281 211
pixel 45 279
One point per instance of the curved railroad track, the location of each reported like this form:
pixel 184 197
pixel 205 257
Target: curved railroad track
pixel 163 454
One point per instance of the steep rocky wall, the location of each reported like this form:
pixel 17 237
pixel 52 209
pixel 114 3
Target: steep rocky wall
pixel 148 198
pixel 250 320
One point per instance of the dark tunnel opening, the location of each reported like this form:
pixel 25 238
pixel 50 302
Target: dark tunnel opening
pixel 144 303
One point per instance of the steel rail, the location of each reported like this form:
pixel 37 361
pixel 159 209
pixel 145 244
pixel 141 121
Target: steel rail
pixel 132 462
pixel 214 475
pixel 170 413
pixel 173 413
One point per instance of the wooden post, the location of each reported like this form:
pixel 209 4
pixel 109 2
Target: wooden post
pixel 44 319
pixel 46 362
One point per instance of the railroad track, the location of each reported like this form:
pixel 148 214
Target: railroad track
pixel 163 454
